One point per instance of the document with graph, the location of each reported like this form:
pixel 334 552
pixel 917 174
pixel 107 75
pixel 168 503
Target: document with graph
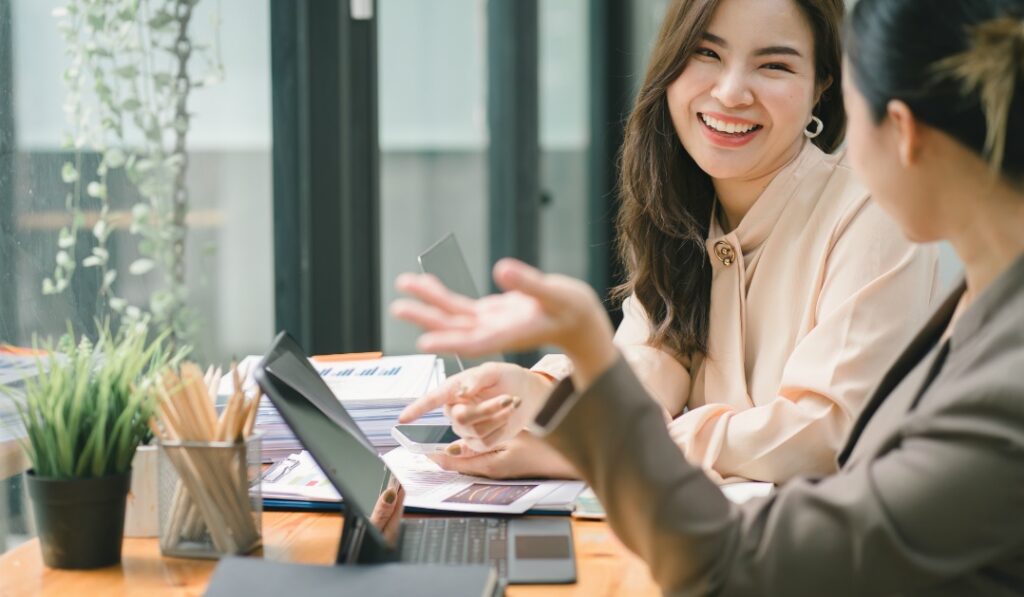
pixel 428 486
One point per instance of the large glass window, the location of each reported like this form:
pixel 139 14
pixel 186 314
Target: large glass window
pixel 228 251
pixel 432 60
pixel 564 135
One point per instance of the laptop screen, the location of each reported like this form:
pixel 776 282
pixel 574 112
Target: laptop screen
pixel 446 261
pixel 323 425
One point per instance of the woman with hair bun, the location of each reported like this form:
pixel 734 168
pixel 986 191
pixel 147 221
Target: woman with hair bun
pixel 929 496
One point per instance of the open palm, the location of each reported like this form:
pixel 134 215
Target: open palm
pixel 536 309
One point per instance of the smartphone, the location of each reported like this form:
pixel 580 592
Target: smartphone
pixel 424 439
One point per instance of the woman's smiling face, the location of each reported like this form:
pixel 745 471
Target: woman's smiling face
pixel 746 94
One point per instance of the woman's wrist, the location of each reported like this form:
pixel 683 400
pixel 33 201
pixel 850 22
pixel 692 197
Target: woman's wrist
pixel 592 351
pixel 534 397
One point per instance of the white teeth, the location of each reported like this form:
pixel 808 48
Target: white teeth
pixel 727 127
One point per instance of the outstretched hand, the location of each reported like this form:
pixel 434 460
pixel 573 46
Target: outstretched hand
pixel 535 309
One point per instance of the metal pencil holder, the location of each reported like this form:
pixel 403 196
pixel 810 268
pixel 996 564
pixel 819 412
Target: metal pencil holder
pixel 210 502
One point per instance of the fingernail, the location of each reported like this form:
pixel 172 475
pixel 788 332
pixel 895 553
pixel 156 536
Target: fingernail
pixel 507 400
pixel 461 391
pixel 516 401
pixel 454 449
pixel 389 496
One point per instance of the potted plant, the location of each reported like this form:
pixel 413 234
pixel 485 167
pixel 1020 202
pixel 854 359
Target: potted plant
pixel 84 415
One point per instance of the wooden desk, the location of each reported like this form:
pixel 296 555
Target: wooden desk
pixel 604 567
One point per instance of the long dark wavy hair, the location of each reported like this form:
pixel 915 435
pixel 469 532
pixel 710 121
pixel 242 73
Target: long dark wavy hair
pixel 667 200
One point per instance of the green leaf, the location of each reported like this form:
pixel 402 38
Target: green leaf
pixel 100 230
pixel 127 72
pixel 97 190
pixel 114 157
pixel 68 173
pixel 140 267
pixel 108 280
pixel 161 19
pixel 65 239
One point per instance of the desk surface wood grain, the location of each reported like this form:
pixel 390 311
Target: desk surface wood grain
pixel 604 566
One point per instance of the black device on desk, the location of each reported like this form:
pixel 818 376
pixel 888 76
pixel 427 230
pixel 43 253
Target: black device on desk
pixel 524 551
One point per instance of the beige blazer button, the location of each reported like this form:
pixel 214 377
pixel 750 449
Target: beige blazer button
pixel 724 252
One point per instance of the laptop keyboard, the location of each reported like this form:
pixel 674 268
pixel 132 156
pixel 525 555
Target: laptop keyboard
pixel 456 541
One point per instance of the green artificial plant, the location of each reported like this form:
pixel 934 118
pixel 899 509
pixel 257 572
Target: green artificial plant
pixel 89 407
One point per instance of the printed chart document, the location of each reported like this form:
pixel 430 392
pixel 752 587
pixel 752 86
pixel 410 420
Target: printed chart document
pixel 427 486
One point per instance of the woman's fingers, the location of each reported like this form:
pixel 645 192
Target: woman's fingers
pixel 459 449
pixel 500 420
pixel 387 512
pixel 512 274
pixel 484 427
pixel 470 462
pixel 429 289
pixel 470 342
pixel 430 317
pixel 394 524
pixel 488 442
pixel 463 387
pixel 468 414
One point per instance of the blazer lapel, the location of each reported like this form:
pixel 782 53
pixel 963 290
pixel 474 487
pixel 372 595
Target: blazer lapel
pixel 915 351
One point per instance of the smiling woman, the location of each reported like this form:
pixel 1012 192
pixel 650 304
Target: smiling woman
pixel 764 291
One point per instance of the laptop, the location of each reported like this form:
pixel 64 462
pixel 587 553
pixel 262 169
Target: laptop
pixel 445 260
pixel 522 550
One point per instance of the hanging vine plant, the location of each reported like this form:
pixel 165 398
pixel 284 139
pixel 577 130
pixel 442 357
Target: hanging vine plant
pixel 128 81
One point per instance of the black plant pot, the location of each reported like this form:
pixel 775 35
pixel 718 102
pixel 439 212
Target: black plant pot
pixel 80 521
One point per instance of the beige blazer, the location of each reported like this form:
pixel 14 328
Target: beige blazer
pixel 928 499
pixel 812 295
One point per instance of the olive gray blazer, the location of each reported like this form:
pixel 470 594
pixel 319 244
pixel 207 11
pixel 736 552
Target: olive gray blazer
pixel 929 498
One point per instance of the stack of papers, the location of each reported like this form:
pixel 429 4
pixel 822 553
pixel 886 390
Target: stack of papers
pixel 374 392
pixel 427 487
